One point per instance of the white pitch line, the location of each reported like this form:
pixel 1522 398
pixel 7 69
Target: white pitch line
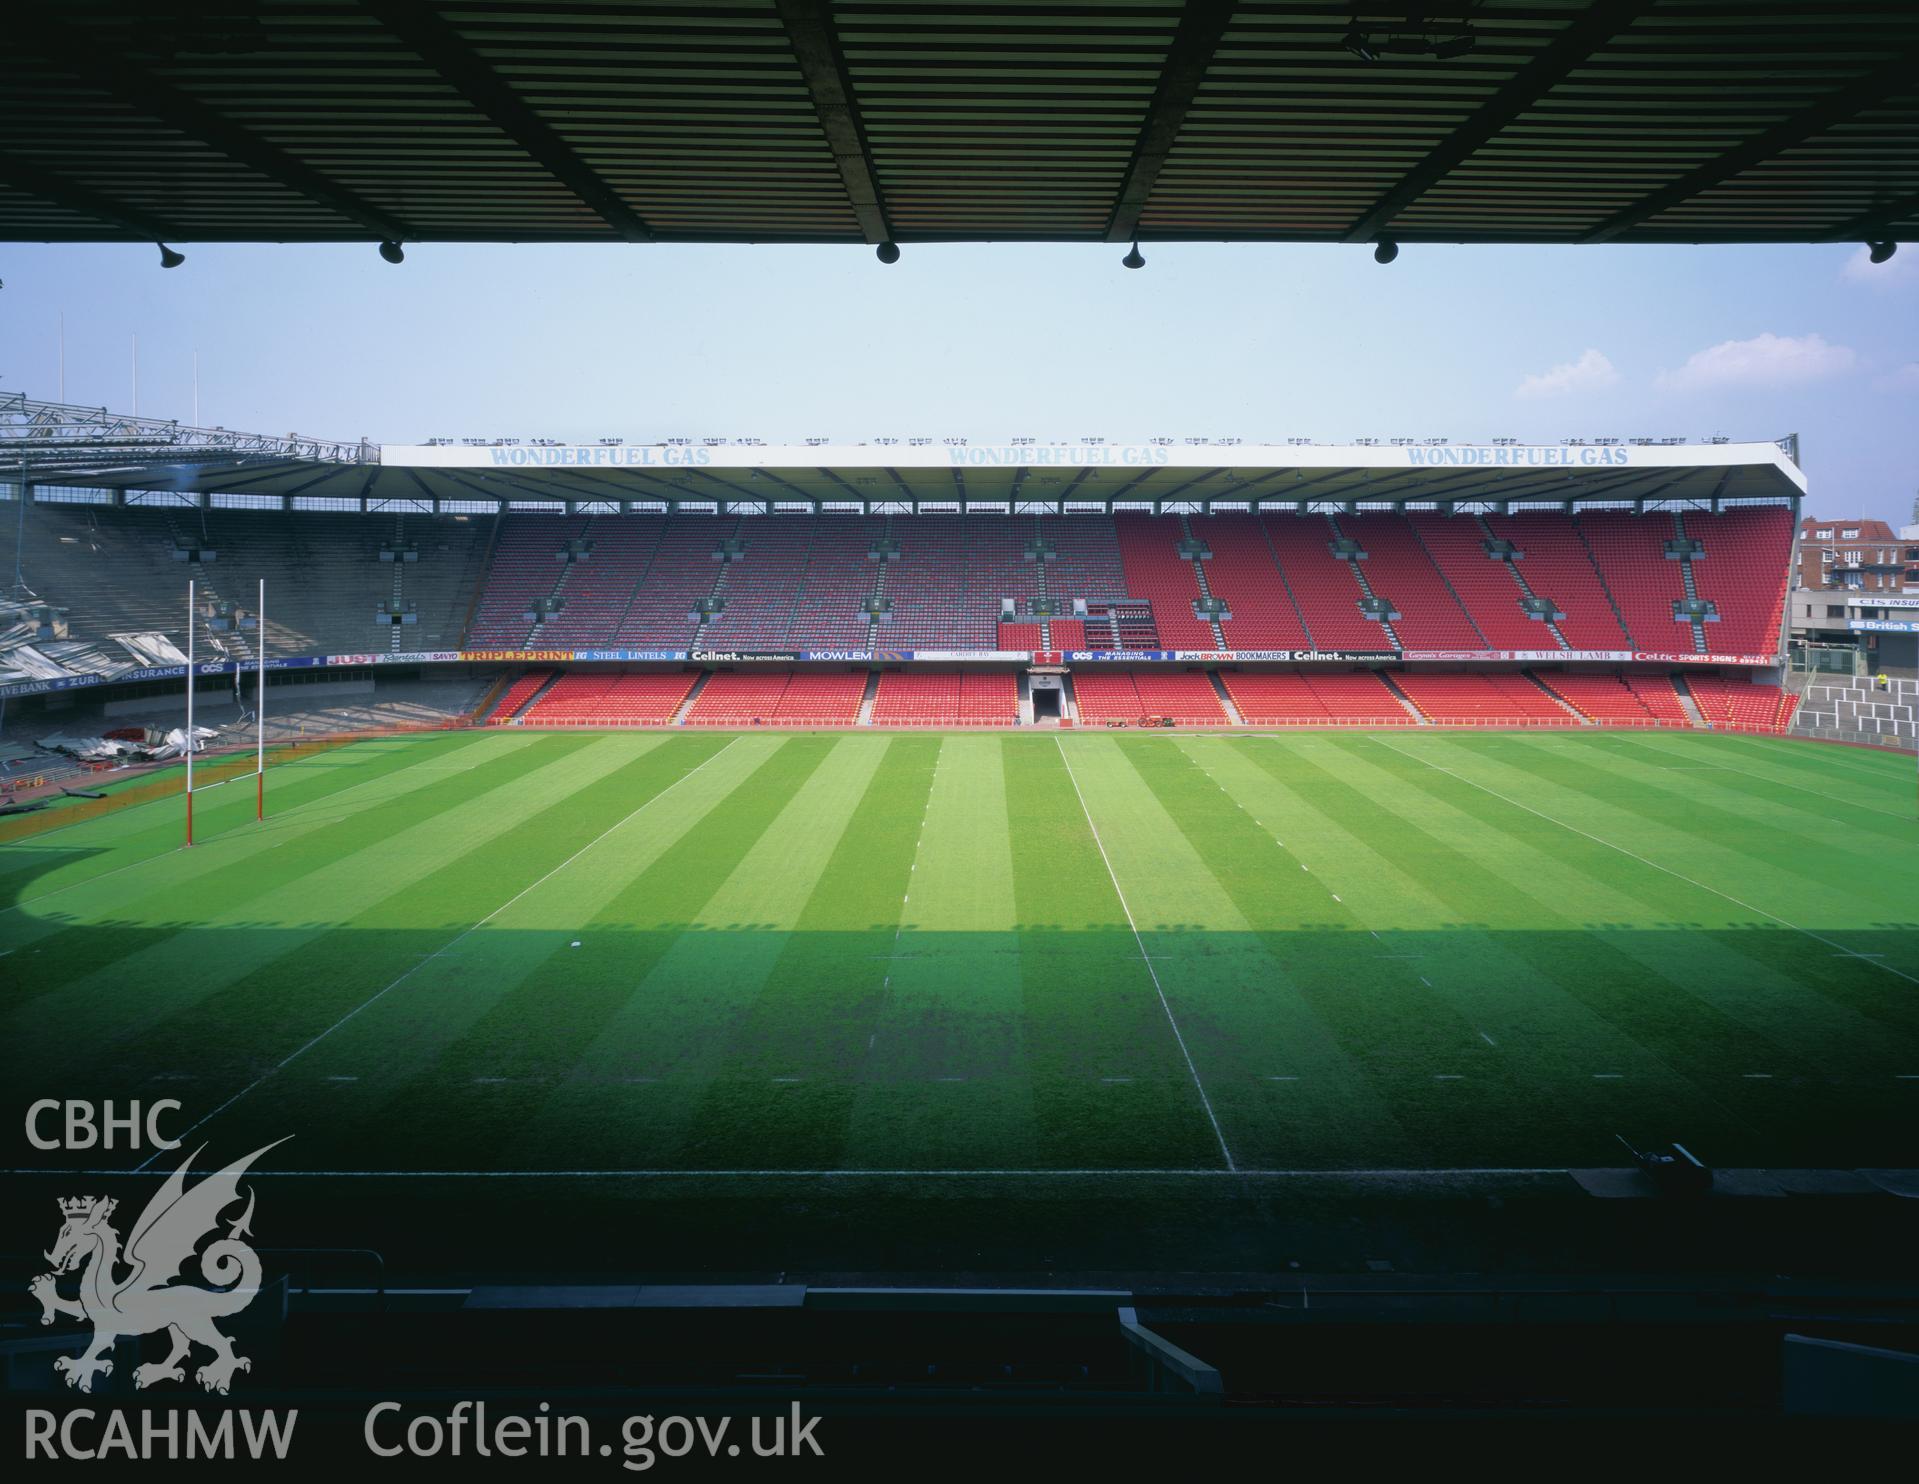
pixel 1634 855
pixel 1762 778
pixel 1140 943
pixel 1838 759
pixel 452 942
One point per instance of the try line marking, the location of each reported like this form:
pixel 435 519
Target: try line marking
pixel 1138 942
pixel 1634 855
pixel 452 942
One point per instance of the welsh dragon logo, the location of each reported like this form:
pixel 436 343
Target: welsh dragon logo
pixel 134 1292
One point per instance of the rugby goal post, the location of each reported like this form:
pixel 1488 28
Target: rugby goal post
pixel 259 773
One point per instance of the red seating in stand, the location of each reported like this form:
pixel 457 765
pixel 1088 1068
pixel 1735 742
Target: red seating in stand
pixel 1357 696
pixel 1019 636
pixel 1401 571
pixel 1657 694
pixel 946 698
pixel 1267 697
pixel 1325 587
pixel 1156 572
pixel 1130 696
pixel 1486 586
pixel 517 695
pixel 1557 565
pixel 526 565
pixel 1244 576
pixel 840 574
pixel 739 698
pixel 1630 552
pixel 822 698
pixel 1068 633
pixel 1186 696
pixel 599 589
pixel 1735 701
pixel 989 698
pixel 610 698
pixel 1598 696
pixel 1465 697
pixel 1102 695
pixel 684 570
pixel 1744 567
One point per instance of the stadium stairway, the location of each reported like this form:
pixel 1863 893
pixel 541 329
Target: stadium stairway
pixel 1225 698
pixel 1691 585
pixel 1488 589
pixel 1205 587
pixel 1400 568
pixel 1688 702
pixel 1554 562
pixel 521 694
pixel 1383 624
pixel 701 683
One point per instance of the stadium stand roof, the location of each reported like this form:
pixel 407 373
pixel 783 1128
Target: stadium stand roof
pixel 56 445
pixel 809 121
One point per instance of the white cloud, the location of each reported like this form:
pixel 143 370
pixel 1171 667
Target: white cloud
pixel 1764 360
pixel 1590 373
pixel 1902 268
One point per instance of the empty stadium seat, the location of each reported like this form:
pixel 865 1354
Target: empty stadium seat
pixel 607 698
pixel 1274 697
pixel 1327 592
pixel 1158 574
pixel 1630 553
pixel 1244 575
pixel 1557 564
pixel 1468 698
pixel 1488 588
pixel 1737 702
pixel 916 698
pixel 1401 570
pixel 1744 566
pixel 1105 696
pixel 1358 696
pixel 517 695
pixel 1603 698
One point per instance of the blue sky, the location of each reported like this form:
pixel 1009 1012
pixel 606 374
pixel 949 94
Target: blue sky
pixel 993 342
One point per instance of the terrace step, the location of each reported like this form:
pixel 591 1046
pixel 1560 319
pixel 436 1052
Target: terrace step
pixel 679 716
pixel 1519 578
pixel 1412 708
pixel 1359 576
pixel 1688 702
pixel 1225 699
pixel 1558 700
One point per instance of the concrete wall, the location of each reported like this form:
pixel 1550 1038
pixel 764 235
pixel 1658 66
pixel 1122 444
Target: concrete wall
pixel 1854 711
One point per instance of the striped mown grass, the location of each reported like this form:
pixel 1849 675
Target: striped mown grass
pixel 501 951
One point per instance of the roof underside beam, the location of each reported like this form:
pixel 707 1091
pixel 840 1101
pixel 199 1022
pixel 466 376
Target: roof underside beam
pixel 1570 49
pixel 448 53
pixel 816 46
pixel 78 51
pixel 31 179
pixel 1201 26
pixel 1880 222
pixel 1874 87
